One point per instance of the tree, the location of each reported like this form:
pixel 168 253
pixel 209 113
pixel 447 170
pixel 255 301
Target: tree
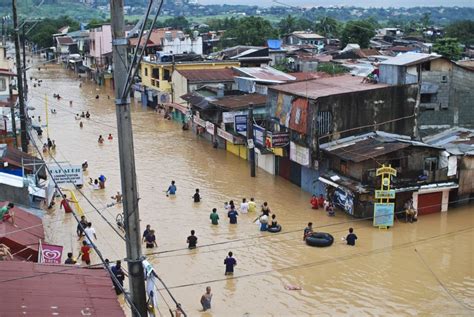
pixel 287 25
pixel 328 27
pixel 448 47
pixel 42 33
pixel 180 23
pixel 251 31
pixel 359 32
pixel 462 30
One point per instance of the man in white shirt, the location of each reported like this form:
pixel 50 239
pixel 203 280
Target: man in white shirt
pixel 90 233
pixel 244 206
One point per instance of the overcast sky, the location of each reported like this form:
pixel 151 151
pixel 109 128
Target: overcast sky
pixel 359 3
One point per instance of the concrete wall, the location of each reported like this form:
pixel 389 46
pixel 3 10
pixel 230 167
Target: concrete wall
pixel 265 161
pixel 101 41
pixel 15 195
pixel 180 87
pixel 180 46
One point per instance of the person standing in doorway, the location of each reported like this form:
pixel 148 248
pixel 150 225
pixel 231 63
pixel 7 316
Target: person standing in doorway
pixel 230 263
pixel 192 240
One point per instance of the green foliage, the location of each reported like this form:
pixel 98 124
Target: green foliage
pixel 359 32
pixel 180 23
pixel 251 31
pixel 290 24
pixel 462 30
pixel 328 27
pixel 332 68
pixel 95 23
pixel 42 33
pixel 282 66
pixel 448 47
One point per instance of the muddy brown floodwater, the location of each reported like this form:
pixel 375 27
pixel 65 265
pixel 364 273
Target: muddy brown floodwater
pixel 424 268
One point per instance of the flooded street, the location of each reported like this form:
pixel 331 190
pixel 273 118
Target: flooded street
pixel 424 268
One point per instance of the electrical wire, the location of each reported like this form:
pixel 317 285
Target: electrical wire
pixel 96 249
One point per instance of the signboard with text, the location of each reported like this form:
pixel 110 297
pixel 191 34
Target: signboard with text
pixel 199 121
pixel 225 135
pixel 300 154
pixel 49 253
pixel 240 122
pixel 280 139
pixel 383 214
pixel 259 134
pixel 67 174
pixel 210 127
pixel 385 194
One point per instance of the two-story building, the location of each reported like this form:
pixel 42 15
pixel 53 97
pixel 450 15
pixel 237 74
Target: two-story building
pixel 157 77
pixel 351 175
pixel 303 38
pixel 446 89
pixel 99 59
pixel 326 109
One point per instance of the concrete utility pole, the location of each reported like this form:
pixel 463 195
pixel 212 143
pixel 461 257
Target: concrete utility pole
pixel 251 145
pixel 24 140
pixel 25 80
pixel 127 161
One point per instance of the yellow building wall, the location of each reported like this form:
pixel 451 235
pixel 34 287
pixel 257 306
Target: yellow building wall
pixel 164 85
pixel 239 150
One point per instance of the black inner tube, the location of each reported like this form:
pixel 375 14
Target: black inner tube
pixel 320 239
pixel 274 229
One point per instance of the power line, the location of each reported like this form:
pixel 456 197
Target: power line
pixel 99 254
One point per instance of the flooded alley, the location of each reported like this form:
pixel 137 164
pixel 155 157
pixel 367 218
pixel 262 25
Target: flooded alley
pixel 424 268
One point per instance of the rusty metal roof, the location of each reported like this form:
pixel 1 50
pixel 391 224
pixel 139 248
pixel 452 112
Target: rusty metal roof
pixel 56 290
pixel 366 146
pixel 208 75
pixel 265 73
pixel 240 101
pixel 324 87
pixel 25 237
pixel 15 157
pixel 65 40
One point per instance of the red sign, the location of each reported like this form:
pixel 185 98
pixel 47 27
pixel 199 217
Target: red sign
pixel 50 253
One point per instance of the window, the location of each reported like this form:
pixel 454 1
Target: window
pixel 444 79
pixel 298 116
pixel 166 75
pixel 155 73
pixel 324 122
pixel 3 84
pixel 146 71
pixel 431 164
pixel 426 66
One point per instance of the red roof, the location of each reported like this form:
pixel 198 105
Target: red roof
pixel 50 290
pixel 300 76
pixel 25 237
pixel 208 75
pixel 155 37
pixel 240 101
pixel 324 87
pixel 65 40
pixel 6 72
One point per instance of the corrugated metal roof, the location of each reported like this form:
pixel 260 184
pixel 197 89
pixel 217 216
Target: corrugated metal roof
pixel 324 87
pixel 56 290
pixel 15 157
pixel 65 40
pixel 209 75
pixel 457 141
pixel 240 101
pixel 307 35
pixel 265 74
pixel 362 147
pixel 25 236
pixel 409 59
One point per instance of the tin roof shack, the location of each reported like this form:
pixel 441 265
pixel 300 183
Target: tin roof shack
pixel 421 173
pixel 257 79
pixel 49 290
pixel 459 145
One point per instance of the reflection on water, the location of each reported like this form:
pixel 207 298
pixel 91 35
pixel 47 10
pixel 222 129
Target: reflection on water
pixel 381 275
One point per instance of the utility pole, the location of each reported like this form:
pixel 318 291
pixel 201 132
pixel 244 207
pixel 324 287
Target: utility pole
pixel 24 140
pixel 250 141
pixel 127 160
pixel 25 80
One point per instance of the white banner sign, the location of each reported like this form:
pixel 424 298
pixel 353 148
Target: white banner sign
pixel 300 154
pixel 225 135
pixel 210 127
pixel 67 174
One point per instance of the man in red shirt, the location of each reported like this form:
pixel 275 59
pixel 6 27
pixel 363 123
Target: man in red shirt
pixel 85 253
pixel 321 201
pixel 65 205
pixel 314 202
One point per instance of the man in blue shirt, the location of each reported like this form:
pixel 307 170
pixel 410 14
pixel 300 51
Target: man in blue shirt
pixel 232 214
pixel 172 189
pixel 229 262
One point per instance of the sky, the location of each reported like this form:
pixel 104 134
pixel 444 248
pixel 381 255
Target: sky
pixel 357 3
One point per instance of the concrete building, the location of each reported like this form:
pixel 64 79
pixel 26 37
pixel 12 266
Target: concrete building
pixel 305 38
pixel 446 89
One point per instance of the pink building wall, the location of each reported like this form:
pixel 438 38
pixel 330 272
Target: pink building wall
pixel 101 41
